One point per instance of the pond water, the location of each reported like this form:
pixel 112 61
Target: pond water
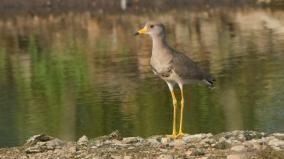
pixel 72 74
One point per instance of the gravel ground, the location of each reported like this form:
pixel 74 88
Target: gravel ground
pixel 228 145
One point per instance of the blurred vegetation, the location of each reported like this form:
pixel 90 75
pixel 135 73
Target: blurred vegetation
pixel 46 6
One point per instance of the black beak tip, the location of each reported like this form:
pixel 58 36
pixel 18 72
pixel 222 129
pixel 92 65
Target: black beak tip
pixel 136 33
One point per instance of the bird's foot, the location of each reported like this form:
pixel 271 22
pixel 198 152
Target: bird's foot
pixel 172 136
pixel 180 134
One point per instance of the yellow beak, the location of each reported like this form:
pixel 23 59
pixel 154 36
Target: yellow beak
pixel 141 31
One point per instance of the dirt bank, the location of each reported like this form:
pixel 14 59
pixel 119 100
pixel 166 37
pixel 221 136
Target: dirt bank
pixel 230 145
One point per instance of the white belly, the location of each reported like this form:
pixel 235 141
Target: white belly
pixel 161 68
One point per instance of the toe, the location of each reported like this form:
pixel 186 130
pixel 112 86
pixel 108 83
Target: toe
pixel 172 136
pixel 180 135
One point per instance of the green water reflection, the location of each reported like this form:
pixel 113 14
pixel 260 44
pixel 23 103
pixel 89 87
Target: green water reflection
pixel 72 74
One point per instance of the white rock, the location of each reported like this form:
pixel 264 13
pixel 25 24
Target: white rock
pixel 241 137
pixel 279 136
pixel 117 142
pixel 188 153
pixel 23 157
pixel 127 157
pixel 83 140
pixel 115 157
pixel 72 149
pixel 165 157
pixel 268 138
pixel 222 139
pixel 276 143
pixel 165 140
pixel 235 156
pixel 131 148
pixel 238 148
pixel 130 140
pixel 204 157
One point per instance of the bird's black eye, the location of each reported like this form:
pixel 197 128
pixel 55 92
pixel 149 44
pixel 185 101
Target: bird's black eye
pixel 151 26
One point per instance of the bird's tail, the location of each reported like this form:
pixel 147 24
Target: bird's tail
pixel 210 81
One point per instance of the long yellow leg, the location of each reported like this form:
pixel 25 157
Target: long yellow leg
pixel 180 133
pixel 174 114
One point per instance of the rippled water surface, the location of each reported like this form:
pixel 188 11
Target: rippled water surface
pixel 81 73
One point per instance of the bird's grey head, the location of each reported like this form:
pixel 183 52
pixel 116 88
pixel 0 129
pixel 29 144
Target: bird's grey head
pixel 154 29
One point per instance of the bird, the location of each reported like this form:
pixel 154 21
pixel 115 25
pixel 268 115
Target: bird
pixel 174 67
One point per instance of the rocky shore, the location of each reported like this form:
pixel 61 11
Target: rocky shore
pixel 228 145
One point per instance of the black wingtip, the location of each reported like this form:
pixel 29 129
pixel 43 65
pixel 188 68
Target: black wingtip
pixel 211 86
pixel 210 82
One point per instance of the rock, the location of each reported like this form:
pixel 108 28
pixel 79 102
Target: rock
pixel 196 137
pixel 54 144
pixel 238 148
pixel 240 138
pixel 72 149
pixel 241 135
pixel 235 142
pixel 115 157
pixel 188 153
pixel 276 143
pixel 30 150
pixel 232 145
pixel 198 152
pixel 118 143
pixel 165 157
pixel 153 142
pixel 94 147
pixel 279 136
pixel 222 144
pixel 208 141
pixel 271 153
pixel 83 141
pixel 165 140
pixel 131 148
pixel 156 137
pixel 177 143
pixel 235 156
pixel 267 139
pixel 45 145
pixel 254 144
pixel 38 138
pixel 252 135
pixel 107 139
pixel 131 140
pixel 127 157
pixel 115 135
pixel 203 157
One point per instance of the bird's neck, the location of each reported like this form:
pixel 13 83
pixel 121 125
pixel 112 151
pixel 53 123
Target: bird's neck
pixel 159 44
